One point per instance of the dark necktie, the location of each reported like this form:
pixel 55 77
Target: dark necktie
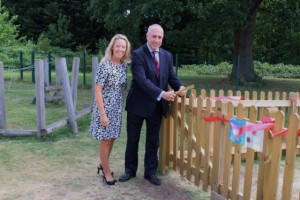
pixel 156 62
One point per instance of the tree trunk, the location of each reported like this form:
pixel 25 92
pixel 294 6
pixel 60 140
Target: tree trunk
pixel 243 69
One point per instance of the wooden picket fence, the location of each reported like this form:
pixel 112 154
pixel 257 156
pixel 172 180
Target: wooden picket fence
pixel 194 141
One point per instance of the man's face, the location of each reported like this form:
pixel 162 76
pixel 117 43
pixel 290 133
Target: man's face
pixel 154 37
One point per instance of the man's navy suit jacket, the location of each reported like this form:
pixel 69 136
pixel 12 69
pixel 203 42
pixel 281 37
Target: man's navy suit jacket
pixel 146 85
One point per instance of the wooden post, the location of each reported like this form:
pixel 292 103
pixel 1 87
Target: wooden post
pixel 190 133
pixel 199 140
pixel 218 147
pixel 268 160
pixel 237 160
pixel 95 63
pixel 175 127
pixel 46 71
pixel 182 135
pixel 249 160
pixel 162 145
pixel 291 156
pixel 58 77
pixel 207 152
pixel 74 85
pixel 63 71
pixel 227 153
pixel 40 96
pixel 271 187
pixel 293 108
pixel 2 99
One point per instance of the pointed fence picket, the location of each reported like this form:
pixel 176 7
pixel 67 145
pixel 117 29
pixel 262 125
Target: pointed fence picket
pixel 194 141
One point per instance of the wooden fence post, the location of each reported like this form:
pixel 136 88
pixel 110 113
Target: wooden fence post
pixel 63 71
pixel 182 135
pixel 218 147
pixel 2 99
pixel 200 126
pixel 46 71
pixel 249 160
pixel 237 160
pixel 190 136
pixel 174 148
pixel 293 108
pixel 40 96
pixel 276 157
pixel 291 155
pixel 227 154
pixel 95 63
pixel 163 148
pixel 75 71
pixel 207 147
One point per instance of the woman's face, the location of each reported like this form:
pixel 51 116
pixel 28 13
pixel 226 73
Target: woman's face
pixel 118 49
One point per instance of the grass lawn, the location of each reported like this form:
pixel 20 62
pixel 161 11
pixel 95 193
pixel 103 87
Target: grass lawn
pixel 63 165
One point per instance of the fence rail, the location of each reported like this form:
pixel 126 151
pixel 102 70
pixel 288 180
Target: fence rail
pixel 194 141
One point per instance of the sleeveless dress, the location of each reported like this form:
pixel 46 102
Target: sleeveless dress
pixel 113 78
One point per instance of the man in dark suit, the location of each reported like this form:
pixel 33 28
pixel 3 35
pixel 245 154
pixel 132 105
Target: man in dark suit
pixel 148 100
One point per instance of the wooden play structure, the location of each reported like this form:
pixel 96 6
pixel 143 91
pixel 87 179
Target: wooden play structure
pixel 62 89
pixel 194 141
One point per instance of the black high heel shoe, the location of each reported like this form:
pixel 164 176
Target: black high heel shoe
pixel 101 168
pixel 113 182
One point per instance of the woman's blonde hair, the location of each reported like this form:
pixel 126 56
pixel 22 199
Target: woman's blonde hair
pixel 108 51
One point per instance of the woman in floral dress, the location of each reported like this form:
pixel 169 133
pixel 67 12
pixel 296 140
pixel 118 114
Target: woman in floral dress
pixel 106 117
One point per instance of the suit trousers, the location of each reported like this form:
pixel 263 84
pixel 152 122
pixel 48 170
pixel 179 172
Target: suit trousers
pixel 134 126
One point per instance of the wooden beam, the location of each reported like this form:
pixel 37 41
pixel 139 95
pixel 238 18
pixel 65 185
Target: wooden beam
pixel 16 132
pixel 2 99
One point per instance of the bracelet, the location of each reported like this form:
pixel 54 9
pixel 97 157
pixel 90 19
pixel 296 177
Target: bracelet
pixel 102 113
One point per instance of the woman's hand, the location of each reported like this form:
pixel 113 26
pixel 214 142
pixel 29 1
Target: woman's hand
pixel 104 120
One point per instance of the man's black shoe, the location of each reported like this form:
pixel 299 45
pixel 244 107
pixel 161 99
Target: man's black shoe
pixel 126 176
pixel 153 179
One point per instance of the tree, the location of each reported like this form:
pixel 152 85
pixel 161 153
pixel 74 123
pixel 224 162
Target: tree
pixel 59 34
pixel 132 17
pixel 277 19
pixel 8 31
pixel 243 69
pixel 216 30
pixel 35 16
pixel 277 33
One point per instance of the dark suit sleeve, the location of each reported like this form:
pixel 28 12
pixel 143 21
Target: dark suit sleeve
pixel 143 76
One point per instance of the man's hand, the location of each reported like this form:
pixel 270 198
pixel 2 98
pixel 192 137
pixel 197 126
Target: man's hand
pixel 169 96
pixel 183 93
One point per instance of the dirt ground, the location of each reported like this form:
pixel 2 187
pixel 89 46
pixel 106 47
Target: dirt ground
pixel 35 178
pixel 34 181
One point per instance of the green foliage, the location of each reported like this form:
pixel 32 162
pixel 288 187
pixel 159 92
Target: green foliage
pixel 58 33
pixel 262 69
pixel 102 44
pixel 10 55
pixel 133 17
pixel 44 44
pixel 223 68
pixel 277 70
pixel 202 28
pixel 8 31
pixel 277 35
pixel 35 17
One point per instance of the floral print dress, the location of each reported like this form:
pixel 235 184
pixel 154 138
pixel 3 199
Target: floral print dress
pixel 113 78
